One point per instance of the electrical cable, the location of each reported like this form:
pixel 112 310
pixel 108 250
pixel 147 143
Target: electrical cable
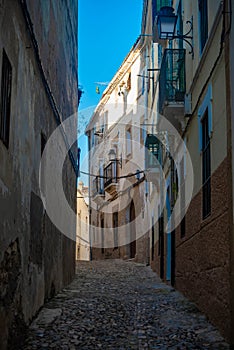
pixel 115 177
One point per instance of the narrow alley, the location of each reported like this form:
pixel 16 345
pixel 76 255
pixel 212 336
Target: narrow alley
pixel 115 304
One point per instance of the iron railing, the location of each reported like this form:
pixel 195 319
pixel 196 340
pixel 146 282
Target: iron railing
pixel 156 6
pixel 172 77
pixel 110 173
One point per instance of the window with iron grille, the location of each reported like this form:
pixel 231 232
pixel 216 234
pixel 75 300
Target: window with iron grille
pixel 206 167
pixel 5 103
pixel 152 151
pixel 203 17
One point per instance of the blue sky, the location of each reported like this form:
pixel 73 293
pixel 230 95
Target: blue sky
pixel 107 29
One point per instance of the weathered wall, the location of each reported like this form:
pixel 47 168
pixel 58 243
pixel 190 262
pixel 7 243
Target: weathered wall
pixel 36 260
pixel 203 254
pixel 82 227
pixel 203 259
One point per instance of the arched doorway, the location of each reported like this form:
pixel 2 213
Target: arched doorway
pixel 133 231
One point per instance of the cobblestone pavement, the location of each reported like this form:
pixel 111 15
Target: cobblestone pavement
pixel 116 304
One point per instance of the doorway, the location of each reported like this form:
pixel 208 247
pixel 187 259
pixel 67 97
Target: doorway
pixel 133 231
pixel 102 236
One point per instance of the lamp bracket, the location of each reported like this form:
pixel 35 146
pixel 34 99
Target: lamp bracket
pixel 186 37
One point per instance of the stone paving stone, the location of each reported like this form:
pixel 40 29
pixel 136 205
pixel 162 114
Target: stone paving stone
pixel 115 304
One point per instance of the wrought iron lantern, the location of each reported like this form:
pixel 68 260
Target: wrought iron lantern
pixel 166 22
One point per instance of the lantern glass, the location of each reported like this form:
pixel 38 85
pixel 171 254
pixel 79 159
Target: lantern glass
pixel 166 23
pixel 112 155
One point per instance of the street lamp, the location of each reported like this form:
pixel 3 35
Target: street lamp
pixel 112 157
pixel 166 25
pixel 166 22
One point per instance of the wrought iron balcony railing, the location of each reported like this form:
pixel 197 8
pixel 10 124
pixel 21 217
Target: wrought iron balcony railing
pixel 110 173
pixel 172 77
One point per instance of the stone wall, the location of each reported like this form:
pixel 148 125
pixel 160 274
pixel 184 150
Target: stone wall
pixel 203 254
pixel 36 260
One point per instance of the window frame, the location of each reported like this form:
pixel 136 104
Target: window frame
pixel 206 167
pixel 201 22
pixel 206 105
pixel 205 111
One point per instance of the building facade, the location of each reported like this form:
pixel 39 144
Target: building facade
pixel 82 227
pixel 196 256
pixel 38 74
pixel 119 223
pixel 184 201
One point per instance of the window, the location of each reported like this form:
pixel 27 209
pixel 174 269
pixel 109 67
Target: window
pixel 128 141
pixel 205 133
pixel 206 167
pixel 152 149
pixel 5 103
pixel 115 226
pixel 203 18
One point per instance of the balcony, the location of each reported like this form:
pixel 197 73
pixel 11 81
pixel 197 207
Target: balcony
pixel 153 158
pixel 172 85
pixel 111 182
pixel 98 189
